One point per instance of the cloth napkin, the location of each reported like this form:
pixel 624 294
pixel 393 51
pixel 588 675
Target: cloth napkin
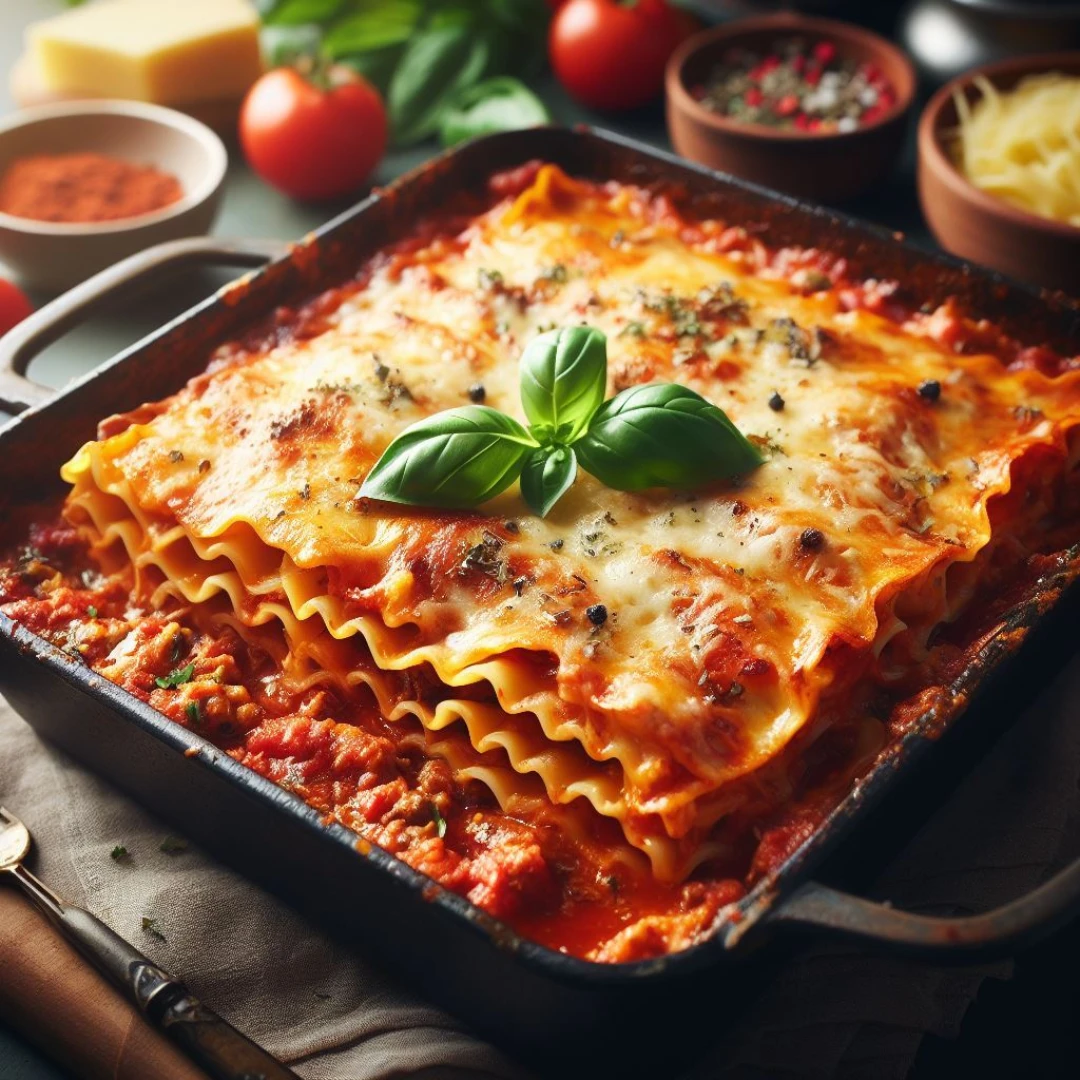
pixel 833 1010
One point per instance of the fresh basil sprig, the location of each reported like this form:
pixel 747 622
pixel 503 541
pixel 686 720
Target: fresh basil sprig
pixel 662 435
pixel 446 67
pixel 658 435
pixel 457 459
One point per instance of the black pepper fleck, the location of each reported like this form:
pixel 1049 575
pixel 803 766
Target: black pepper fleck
pixel 477 393
pixel 597 614
pixel 512 527
pixel 776 402
pixel 930 390
pixel 204 465
pixel 812 540
pixel 176 455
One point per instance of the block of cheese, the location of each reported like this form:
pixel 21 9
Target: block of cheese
pixel 163 51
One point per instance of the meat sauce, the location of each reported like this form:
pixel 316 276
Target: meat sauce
pixel 378 779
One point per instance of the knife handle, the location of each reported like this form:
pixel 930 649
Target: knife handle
pixel 214 1045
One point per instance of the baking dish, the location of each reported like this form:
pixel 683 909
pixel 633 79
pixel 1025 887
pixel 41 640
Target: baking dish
pixel 509 988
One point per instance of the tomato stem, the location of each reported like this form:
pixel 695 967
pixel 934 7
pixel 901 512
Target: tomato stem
pixel 317 69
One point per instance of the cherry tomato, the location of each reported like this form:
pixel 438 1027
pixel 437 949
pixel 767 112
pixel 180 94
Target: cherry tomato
pixel 611 55
pixel 314 135
pixel 14 306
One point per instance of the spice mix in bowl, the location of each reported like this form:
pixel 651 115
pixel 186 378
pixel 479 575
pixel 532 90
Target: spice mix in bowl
pixel 812 107
pixel 85 184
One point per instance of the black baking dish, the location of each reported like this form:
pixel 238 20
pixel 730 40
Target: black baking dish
pixel 528 997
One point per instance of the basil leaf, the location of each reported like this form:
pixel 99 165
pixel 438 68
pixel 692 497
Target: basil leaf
pixel 284 45
pixel 437 63
pixel 546 476
pixel 390 24
pixel 525 16
pixel 563 379
pixel 377 67
pixel 663 435
pixel 461 13
pixel 454 459
pixel 500 104
pixel 175 678
pixel 297 12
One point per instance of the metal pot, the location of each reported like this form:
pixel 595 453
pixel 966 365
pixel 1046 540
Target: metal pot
pixel 948 37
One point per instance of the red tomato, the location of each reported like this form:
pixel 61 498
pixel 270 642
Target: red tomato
pixel 14 306
pixel 611 55
pixel 316 138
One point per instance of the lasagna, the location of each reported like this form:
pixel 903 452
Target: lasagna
pixel 601 726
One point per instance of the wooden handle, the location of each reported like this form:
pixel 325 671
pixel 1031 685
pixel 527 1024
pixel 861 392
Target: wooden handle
pixel 214 1045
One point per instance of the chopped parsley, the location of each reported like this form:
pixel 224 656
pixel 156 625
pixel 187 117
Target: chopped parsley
pixel 91 611
pixel 488 279
pixel 193 713
pixel 484 557
pixel 440 821
pixel 173 845
pixel 119 853
pixel 150 926
pixel 176 678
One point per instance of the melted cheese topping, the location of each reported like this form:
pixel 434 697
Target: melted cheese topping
pixel 735 616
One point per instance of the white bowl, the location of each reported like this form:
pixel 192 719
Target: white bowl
pixel 53 256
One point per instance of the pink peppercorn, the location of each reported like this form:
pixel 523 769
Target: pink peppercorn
pixel 799 85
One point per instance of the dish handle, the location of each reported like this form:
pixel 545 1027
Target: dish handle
pixel 25 340
pixel 960 939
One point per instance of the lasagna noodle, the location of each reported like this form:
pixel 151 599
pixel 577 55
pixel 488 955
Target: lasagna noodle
pixel 729 633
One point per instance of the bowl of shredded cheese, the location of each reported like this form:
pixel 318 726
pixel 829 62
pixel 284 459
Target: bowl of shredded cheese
pixel 999 168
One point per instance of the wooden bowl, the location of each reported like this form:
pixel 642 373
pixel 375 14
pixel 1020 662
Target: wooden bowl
pixel 829 166
pixel 53 256
pixel 978 226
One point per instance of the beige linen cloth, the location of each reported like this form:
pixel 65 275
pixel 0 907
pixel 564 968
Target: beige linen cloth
pixel 833 1010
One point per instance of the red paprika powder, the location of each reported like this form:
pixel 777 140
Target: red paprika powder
pixel 84 187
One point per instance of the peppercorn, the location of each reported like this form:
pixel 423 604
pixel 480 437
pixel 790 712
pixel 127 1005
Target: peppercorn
pixel 776 402
pixel 477 393
pixel 930 390
pixel 811 539
pixel 597 614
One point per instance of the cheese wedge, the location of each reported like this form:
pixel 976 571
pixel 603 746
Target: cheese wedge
pixel 149 50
